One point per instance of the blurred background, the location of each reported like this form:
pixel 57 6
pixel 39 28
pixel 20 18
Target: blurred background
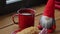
pixel 8 6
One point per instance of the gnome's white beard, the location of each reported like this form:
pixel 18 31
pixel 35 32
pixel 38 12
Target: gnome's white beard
pixel 46 21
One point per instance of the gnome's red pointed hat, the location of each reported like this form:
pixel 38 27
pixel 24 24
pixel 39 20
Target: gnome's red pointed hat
pixel 49 9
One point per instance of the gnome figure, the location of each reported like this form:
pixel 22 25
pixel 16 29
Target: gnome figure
pixel 48 19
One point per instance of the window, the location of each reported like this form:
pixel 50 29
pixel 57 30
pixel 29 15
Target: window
pixel 11 1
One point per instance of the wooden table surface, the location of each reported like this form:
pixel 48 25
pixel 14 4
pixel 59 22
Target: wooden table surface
pixel 7 26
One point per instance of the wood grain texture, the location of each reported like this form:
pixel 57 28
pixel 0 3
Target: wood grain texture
pixel 6 20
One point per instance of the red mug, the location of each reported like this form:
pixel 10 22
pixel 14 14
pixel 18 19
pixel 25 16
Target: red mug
pixel 25 18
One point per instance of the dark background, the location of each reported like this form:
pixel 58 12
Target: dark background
pixel 13 7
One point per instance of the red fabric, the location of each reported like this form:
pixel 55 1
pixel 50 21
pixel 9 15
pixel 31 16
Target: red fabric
pixel 49 9
pixel 56 2
pixel 57 6
pixel 50 30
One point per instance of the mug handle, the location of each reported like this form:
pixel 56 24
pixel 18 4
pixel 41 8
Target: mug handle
pixel 13 18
